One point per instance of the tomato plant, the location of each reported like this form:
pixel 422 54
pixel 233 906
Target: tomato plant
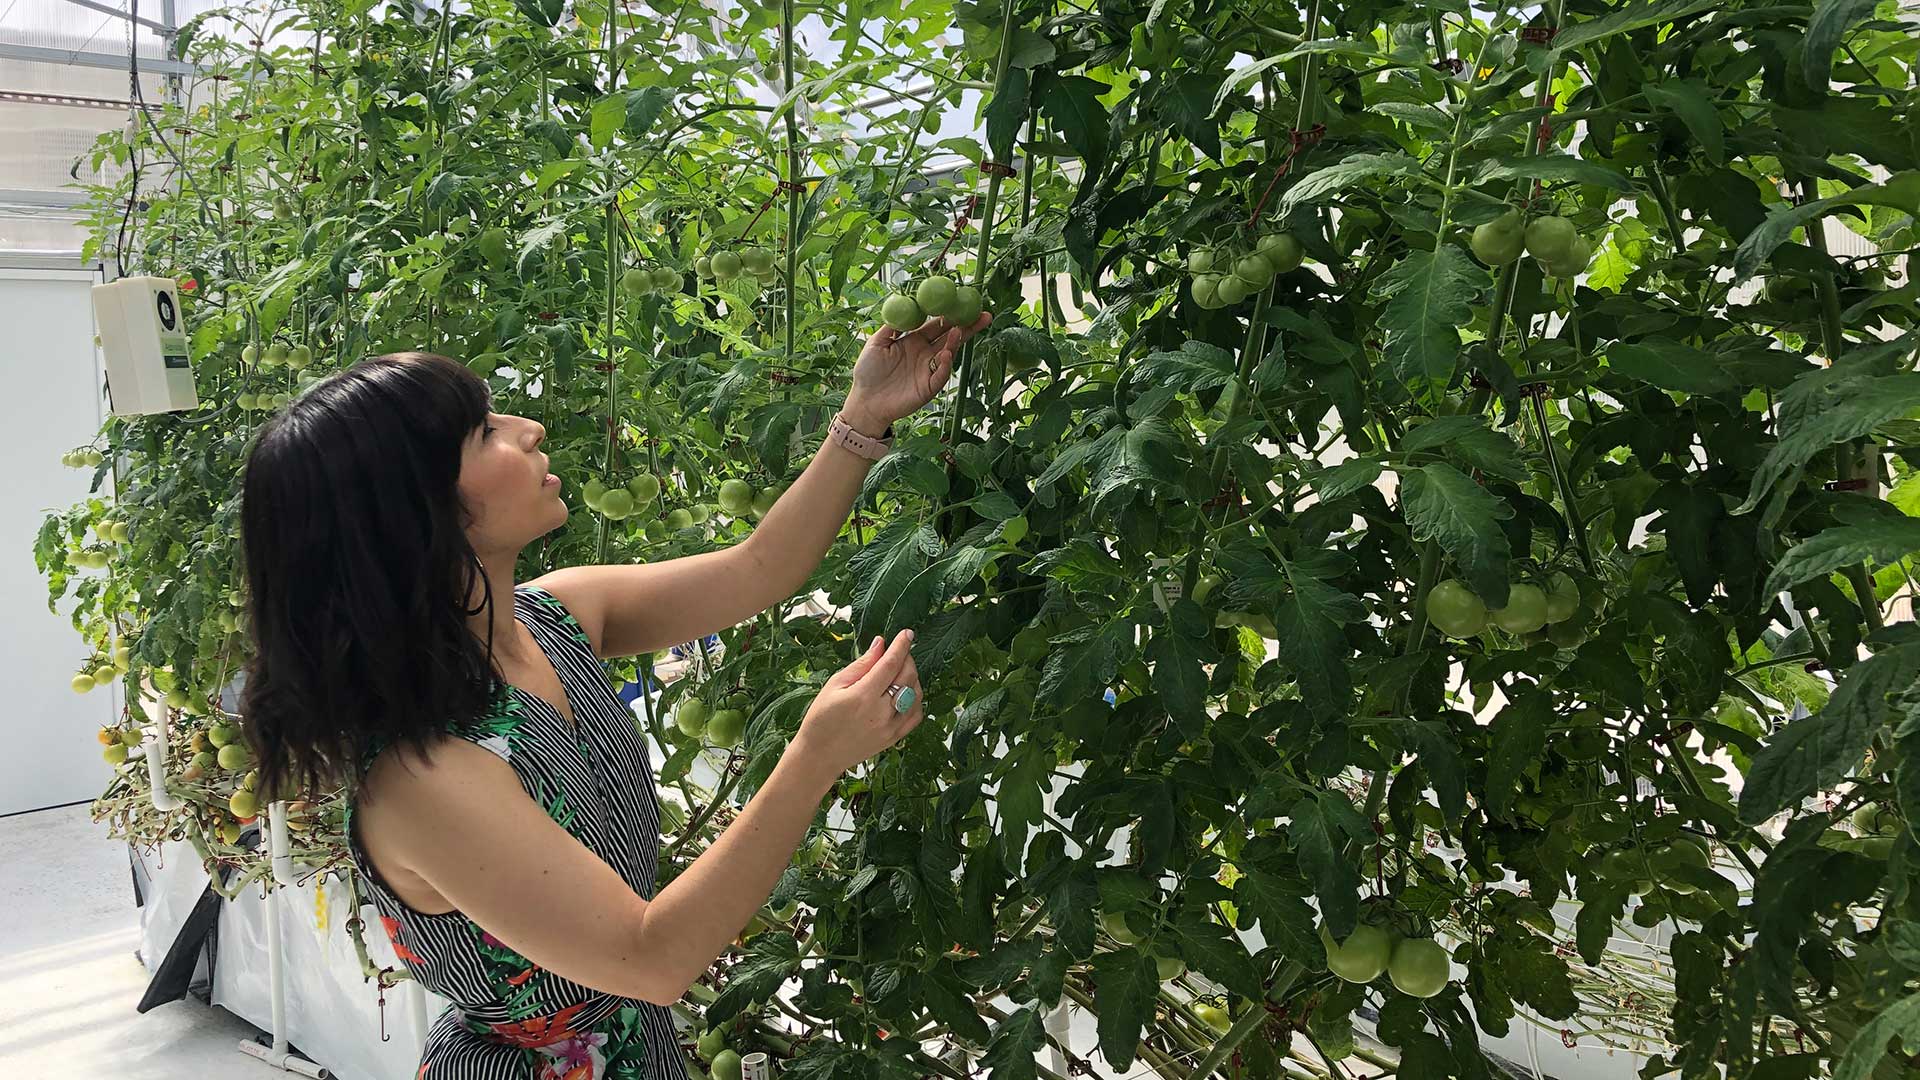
pixel 1524 535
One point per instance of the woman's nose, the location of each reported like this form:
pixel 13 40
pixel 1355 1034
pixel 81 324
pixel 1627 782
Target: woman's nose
pixel 539 432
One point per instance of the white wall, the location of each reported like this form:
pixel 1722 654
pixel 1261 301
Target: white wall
pixel 51 404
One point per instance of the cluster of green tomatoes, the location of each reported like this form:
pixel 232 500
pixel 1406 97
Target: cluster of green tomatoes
pixel 736 498
pixel 295 358
pixel 1640 866
pixel 1457 611
pixel 82 459
pixel 727 265
pixel 937 296
pixel 1417 965
pixel 1223 278
pixel 1562 251
pixel 103 671
pixel 722 727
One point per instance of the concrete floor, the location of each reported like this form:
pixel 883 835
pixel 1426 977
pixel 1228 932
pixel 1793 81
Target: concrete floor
pixel 69 979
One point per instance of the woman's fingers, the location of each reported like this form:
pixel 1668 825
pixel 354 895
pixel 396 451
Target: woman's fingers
pixel 886 670
pixel 863 663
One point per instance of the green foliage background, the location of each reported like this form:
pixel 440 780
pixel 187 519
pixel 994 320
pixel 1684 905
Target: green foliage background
pixel 1724 473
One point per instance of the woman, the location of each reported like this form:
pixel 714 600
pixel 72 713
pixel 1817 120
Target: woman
pixel 502 809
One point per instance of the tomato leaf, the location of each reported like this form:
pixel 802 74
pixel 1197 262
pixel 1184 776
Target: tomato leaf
pixel 1011 1052
pixel 1442 504
pixel 770 961
pixel 1180 676
pixel 1321 824
pixel 1519 740
pixel 1901 191
pixel 1215 951
pixel 882 569
pixel 1669 365
pixel 1827 407
pixel 1470 442
pixel 1188 107
pixel 1072 102
pixel 1439 755
pixel 1552 168
pixel 1829 25
pixel 1886 540
pixel 1428 296
pixel 1126 990
pixel 1816 751
pixel 1007 112
pixel 1690 100
pixel 1341 175
pixel 1626 19
pixel 1309 618
pixel 1898 1020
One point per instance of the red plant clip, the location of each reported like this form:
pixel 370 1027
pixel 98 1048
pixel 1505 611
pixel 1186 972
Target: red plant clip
pixel 996 168
pixel 1452 64
pixel 782 378
pixel 243 116
pixel 1857 484
pixel 1538 35
pixel 1566 1038
pixel 1812 666
pixel 1297 140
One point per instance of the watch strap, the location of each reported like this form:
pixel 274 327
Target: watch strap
pixel 867 446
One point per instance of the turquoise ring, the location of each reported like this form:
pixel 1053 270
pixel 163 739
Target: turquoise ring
pixel 903 697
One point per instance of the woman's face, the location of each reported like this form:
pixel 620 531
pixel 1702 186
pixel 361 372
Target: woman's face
pixel 506 487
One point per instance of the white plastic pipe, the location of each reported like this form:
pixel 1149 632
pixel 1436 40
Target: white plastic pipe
pixel 1056 1025
pixel 156 748
pixel 280 852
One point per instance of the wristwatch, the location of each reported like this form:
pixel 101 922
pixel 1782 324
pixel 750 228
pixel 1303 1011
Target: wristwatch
pixel 867 446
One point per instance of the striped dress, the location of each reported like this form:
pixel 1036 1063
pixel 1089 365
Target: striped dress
pixel 511 1019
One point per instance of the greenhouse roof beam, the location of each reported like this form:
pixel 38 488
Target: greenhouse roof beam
pixel 163 29
pixel 35 54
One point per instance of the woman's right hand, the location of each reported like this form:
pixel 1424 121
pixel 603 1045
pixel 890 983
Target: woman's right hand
pixel 853 718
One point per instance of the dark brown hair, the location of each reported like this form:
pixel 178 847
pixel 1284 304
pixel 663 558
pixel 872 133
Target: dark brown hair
pixel 359 573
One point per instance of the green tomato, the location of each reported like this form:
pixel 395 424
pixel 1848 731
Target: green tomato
pixel 1232 290
pixel 936 295
pixel 1526 610
pixel 1116 926
pixel 1455 610
pixel 726 1065
pixel 636 281
pixel 1678 853
pixel 1362 956
pixel 493 246
pixel 967 306
pixel 699 512
pixel 1204 587
pixel 1200 260
pixel 655 530
pixel 763 501
pixel 276 356
pixel 712 1041
pixel 1550 239
pixel 82 683
pixel 902 312
pixel 300 357
pixel 1872 819
pixel 691 717
pixel 736 496
pixel 703 267
pixel 1578 256
pixel 232 756
pixel 757 260
pixel 1169 967
pixel 1213 1016
pixel 616 503
pixel 1563 598
pixel 645 487
pixel 243 803
pixel 1567 635
pixel 679 518
pixel 1500 241
pixel 666 280
pixel 726 265
pixel 726 727
pixel 1623 864
pixel 1253 271
pixel 1418 967
pixel 1281 251
pixel 1206 290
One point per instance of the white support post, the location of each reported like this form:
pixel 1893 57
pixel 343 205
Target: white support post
pixel 278 1055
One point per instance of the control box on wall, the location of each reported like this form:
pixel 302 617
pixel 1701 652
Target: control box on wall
pixel 143 333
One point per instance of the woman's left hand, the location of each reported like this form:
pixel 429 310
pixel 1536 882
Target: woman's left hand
pixel 899 371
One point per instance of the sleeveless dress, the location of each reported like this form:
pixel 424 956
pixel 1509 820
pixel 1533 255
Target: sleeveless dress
pixel 511 1019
